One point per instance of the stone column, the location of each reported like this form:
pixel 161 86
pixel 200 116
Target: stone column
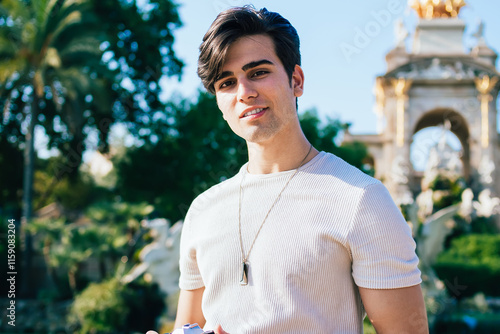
pixel 401 166
pixel 486 170
pixel 379 91
pixel 401 87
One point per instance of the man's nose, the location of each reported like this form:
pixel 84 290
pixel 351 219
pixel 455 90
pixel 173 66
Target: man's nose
pixel 246 90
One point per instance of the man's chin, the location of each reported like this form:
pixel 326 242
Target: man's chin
pixel 259 137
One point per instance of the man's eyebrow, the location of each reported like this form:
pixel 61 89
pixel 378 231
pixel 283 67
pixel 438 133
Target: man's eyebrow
pixel 256 63
pixel 223 75
pixel 245 67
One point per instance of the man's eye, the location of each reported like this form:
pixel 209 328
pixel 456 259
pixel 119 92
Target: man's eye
pixel 226 83
pixel 259 73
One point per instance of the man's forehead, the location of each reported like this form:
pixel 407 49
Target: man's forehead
pixel 249 49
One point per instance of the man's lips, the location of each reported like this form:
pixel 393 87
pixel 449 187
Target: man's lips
pixel 253 112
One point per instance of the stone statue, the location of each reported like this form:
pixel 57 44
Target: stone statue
pixel 401 33
pixel 434 71
pixel 479 34
pixel 437 8
pixel 425 204
pixel 487 205
pixel 400 170
pixel 442 159
pixel 485 170
pixel 160 259
pixel 466 208
pixel 435 229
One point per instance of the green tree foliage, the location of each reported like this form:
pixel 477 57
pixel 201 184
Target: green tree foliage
pixel 50 68
pixel 321 136
pixel 111 307
pixel 139 48
pixel 325 138
pixel 43 79
pixel 105 233
pixel 192 148
pixel 83 64
pixel 101 307
pixel 76 67
pixel 447 190
pixel 472 261
pixel 189 150
pixel 69 246
pixel 73 194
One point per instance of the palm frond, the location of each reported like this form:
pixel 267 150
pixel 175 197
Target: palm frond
pixel 9 67
pixel 40 12
pixel 61 14
pixel 15 9
pixel 87 46
pixel 7 44
pixel 71 19
pixel 53 58
pixel 75 82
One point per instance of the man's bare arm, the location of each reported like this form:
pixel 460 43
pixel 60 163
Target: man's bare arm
pixel 189 308
pixel 400 311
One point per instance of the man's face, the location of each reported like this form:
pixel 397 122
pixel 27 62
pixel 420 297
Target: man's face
pixel 254 92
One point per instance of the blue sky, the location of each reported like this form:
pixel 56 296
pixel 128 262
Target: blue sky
pixel 337 86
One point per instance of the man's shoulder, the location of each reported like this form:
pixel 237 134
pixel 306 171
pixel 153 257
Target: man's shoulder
pixel 217 192
pixel 337 170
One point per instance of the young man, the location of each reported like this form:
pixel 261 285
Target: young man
pixel 298 241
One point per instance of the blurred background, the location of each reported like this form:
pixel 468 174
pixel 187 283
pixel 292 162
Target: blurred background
pixel 106 136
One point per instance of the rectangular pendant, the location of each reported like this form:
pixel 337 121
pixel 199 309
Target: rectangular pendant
pixel 244 272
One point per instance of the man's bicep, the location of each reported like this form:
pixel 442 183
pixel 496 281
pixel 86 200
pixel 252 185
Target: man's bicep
pixel 189 308
pixel 399 310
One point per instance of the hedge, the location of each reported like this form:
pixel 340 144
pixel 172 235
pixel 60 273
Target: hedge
pixel 473 263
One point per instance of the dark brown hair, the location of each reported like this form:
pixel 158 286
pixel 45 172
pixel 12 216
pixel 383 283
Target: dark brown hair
pixel 237 22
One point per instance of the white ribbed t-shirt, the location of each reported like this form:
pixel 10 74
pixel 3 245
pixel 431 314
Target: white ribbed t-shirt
pixel 333 229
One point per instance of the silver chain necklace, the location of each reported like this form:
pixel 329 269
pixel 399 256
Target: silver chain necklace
pixel 244 264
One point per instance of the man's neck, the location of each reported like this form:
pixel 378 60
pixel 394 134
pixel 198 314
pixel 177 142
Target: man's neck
pixel 266 158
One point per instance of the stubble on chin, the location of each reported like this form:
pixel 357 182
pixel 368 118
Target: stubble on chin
pixel 262 132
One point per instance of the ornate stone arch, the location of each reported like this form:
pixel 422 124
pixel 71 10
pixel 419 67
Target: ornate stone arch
pixel 437 79
pixel 458 126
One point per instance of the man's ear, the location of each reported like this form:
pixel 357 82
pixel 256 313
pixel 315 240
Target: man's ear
pixel 298 81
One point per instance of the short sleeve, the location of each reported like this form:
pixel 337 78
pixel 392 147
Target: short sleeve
pixel 381 244
pixel 190 278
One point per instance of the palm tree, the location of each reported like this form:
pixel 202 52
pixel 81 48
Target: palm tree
pixel 62 68
pixel 49 55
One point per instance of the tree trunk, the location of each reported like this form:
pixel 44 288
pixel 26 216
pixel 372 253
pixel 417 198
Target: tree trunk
pixel 29 166
pixel 52 276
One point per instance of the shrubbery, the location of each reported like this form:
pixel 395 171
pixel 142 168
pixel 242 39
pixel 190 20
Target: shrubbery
pixel 459 324
pixel 473 261
pixel 111 307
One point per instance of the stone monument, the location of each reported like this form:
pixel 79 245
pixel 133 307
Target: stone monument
pixel 437 81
